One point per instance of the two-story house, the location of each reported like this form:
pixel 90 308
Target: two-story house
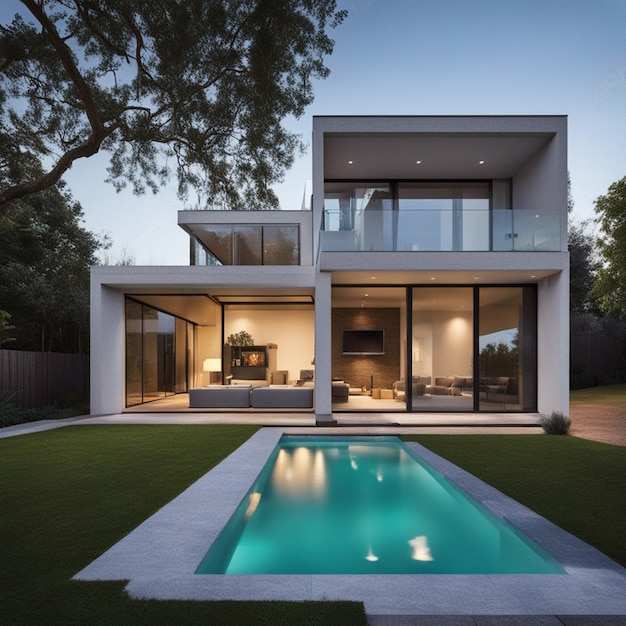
pixel 426 271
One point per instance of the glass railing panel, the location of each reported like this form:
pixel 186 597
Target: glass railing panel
pixel 440 230
pixel 538 230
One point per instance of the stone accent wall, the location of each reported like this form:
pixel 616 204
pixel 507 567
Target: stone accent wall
pixel 358 370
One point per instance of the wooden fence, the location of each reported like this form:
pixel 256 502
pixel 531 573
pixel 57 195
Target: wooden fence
pixel 40 379
pixel 597 357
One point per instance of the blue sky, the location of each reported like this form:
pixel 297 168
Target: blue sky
pixel 430 57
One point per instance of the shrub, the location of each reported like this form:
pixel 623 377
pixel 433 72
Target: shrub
pixel 9 413
pixel 556 423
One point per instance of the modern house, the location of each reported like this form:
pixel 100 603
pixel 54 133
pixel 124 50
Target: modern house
pixel 426 271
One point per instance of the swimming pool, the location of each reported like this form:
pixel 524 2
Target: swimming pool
pixel 364 505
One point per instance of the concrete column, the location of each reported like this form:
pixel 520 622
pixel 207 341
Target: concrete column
pixel 553 343
pixel 323 365
pixel 107 349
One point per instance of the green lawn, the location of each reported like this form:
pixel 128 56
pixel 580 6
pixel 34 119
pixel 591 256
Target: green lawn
pixel 67 495
pixel 577 484
pixel 610 395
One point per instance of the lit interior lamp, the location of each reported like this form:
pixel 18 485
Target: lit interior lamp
pixel 214 367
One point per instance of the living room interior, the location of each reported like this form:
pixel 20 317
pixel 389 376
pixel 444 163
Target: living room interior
pixel 280 328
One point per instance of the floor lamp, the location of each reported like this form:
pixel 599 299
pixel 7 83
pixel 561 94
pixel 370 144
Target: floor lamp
pixel 214 367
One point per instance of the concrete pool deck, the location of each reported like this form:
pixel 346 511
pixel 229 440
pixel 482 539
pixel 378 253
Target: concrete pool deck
pixel 160 556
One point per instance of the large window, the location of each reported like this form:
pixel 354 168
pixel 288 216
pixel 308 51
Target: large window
pixel 507 348
pixel 442 349
pixel 246 245
pixel 156 353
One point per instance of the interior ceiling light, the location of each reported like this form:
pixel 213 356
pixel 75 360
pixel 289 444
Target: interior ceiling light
pixel 350 162
pixel 418 162
pixel 481 162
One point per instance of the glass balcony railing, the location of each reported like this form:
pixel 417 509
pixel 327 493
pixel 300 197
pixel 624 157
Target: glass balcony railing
pixel 440 230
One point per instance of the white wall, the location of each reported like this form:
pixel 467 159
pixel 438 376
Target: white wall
pixel 107 349
pixel 293 331
pixel 553 344
pixel 445 344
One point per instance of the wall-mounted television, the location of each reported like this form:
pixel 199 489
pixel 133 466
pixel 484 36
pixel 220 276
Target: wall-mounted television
pixel 362 342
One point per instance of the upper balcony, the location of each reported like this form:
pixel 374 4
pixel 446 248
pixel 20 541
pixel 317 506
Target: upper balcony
pixel 438 230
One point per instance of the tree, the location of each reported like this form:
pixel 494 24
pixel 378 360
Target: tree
pixel 610 284
pixel 583 267
pixel 45 259
pixel 202 84
pixel 6 329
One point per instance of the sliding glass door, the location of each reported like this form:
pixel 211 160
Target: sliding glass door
pixel 156 353
pixel 507 348
pixel 442 349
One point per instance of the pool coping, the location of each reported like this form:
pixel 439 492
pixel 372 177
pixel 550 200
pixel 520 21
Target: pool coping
pixel 159 557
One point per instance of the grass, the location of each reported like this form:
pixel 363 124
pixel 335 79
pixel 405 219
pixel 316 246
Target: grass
pixel 577 484
pixel 609 395
pixel 67 495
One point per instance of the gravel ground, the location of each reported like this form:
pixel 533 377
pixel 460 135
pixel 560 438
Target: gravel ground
pixel 606 424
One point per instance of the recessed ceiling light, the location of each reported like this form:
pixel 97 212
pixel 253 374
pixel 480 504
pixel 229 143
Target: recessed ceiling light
pixel 533 276
pixel 481 162
pixel 350 162
pixel 417 162
pixel 432 278
pixel 475 277
pixel 367 294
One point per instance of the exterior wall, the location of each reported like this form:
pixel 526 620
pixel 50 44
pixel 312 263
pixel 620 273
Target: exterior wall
pixel 553 343
pixel 323 322
pixel 542 183
pixel 107 347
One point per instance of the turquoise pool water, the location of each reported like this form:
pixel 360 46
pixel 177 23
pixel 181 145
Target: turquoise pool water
pixel 368 505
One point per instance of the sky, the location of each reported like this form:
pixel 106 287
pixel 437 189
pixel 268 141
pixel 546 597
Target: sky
pixel 427 57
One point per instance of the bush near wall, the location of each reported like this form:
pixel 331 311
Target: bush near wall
pixel 597 351
pixel 44 379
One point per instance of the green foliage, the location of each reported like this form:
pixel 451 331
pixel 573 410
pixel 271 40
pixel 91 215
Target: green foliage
pixel 5 328
pixel 45 259
pixel 500 359
pixel 242 338
pixel 9 413
pixel 610 284
pixel 556 423
pixel 202 84
pixel 583 267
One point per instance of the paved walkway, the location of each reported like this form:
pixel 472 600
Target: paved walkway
pixel 606 426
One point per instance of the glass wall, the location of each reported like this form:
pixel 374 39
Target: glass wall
pixel 134 353
pixel 156 353
pixel 441 357
pixel 246 245
pixel 443 216
pixel 507 348
pixel 433 216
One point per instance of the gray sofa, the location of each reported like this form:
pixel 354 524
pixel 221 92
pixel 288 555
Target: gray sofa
pixel 247 396
pixel 281 398
pixel 222 397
